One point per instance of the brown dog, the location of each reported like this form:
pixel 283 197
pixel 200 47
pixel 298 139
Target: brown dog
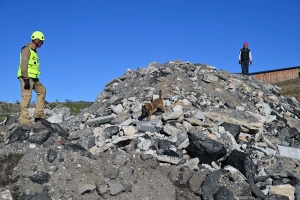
pixel 150 108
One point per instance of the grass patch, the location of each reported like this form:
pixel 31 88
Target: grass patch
pixel 74 107
pixel 290 88
pixel 17 157
pixel 3 116
pixel 6 109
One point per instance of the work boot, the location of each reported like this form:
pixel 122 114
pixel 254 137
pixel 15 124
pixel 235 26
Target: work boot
pixel 38 118
pixel 24 124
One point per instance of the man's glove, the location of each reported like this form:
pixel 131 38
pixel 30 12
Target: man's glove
pixel 26 84
pixel 239 62
pixel 250 62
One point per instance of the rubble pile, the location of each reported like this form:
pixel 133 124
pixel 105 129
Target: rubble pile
pixel 222 136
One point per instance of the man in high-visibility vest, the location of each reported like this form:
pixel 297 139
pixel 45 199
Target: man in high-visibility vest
pixel 28 74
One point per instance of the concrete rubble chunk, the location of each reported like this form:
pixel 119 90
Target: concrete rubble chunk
pixel 194 122
pixel 225 73
pixel 118 109
pixel 171 130
pixel 102 188
pixel 144 127
pixel 100 120
pixel 243 163
pixel 172 115
pixel 192 164
pixel 293 122
pixel 271 151
pixel 195 182
pixel 247 119
pixel 211 67
pixel 126 123
pixel 285 190
pixel 116 80
pixel 289 152
pixel 206 149
pixel 146 157
pixel 236 174
pixel 172 160
pixel 129 130
pixel 144 144
pixel 184 144
pixel 10 120
pixel 6 195
pixel 116 187
pixel 124 138
pixel 210 78
pixel 86 188
pixel 177 108
pixel 223 194
pixel 269 143
pixel 200 115
pixel 40 177
pixel 211 184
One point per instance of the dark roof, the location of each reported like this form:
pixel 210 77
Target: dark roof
pixel 274 70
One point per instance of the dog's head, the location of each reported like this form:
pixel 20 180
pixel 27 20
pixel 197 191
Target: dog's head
pixel 144 110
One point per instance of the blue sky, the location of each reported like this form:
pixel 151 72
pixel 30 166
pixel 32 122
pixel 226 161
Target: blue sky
pixel 90 42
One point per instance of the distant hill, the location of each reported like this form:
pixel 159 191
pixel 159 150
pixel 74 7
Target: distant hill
pixel 290 88
pixel 7 109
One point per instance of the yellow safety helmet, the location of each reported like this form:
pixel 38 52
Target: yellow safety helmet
pixel 37 35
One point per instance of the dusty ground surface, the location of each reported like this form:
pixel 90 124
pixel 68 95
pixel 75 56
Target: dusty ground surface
pixel 141 178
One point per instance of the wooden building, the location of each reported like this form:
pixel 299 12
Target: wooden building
pixel 277 75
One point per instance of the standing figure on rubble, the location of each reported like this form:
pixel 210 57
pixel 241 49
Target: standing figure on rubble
pixel 28 75
pixel 244 58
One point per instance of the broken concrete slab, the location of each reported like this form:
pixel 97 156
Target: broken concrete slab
pixel 210 78
pixel 144 127
pixel 116 80
pixel 289 152
pixel 172 160
pixel 247 119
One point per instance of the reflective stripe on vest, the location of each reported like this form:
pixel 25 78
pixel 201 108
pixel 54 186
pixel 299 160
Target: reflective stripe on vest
pixel 33 65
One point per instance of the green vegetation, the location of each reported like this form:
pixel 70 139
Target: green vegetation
pixel 3 116
pixel 7 109
pixel 290 88
pixel 16 157
pixel 74 107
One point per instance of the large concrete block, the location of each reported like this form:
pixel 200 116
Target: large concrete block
pixel 116 80
pixel 289 152
pixel 210 78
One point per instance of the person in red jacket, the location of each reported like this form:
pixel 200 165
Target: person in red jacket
pixel 244 58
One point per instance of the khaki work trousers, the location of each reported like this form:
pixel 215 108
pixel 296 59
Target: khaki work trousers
pixel 26 96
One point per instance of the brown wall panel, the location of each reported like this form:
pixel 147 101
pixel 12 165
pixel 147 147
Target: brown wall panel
pixel 279 76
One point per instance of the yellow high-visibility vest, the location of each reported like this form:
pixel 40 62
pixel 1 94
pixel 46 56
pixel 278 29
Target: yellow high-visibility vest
pixel 33 65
